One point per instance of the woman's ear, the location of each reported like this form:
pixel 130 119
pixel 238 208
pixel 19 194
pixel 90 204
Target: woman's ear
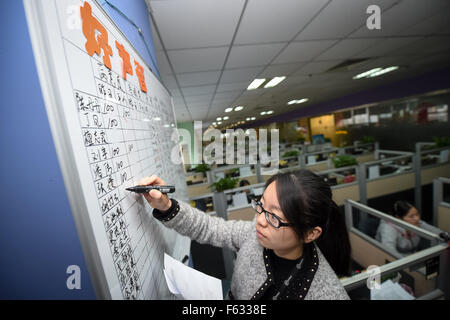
pixel 313 234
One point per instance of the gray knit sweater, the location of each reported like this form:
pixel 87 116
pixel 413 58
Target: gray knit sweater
pixel 249 273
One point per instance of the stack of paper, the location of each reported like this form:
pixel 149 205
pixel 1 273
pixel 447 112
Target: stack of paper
pixel 389 290
pixel 189 283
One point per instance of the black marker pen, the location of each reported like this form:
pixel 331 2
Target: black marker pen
pixel 145 189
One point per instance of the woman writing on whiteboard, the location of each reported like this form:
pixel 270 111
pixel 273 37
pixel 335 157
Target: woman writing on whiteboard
pixel 293 249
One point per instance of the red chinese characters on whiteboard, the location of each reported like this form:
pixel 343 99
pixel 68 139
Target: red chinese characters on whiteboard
pixel 126 63
pixel 140 75
pixel 97 41
pixel 93 43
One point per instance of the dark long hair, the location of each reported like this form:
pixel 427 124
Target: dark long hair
pixel 401 208
pixel 306 201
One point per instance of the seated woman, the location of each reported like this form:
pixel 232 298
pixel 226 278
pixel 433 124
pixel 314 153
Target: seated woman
pixel 398 239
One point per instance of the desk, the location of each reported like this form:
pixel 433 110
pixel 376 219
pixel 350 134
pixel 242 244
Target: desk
pixel 367 254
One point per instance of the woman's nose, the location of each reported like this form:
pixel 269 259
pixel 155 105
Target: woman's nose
pixel 261 219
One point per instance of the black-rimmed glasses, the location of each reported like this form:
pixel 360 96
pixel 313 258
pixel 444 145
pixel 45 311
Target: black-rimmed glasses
pixel 272 218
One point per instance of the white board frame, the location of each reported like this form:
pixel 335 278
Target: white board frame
pixel 48 76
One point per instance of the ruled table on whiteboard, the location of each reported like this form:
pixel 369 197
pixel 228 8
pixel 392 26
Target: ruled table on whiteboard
pixel 126 136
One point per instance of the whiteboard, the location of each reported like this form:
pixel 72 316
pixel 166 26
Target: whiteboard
pixel 108 133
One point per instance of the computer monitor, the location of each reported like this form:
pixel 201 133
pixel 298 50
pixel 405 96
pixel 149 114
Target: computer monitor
pixel 318 139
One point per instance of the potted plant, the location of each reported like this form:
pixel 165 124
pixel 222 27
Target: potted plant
pixel 225 184
pixel 344 161
pixel 441 142
pixel 367 139
pixel 202 168
pixel 291 153
pixel 234 172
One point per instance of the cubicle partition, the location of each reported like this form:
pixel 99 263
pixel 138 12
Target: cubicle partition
pixel 392 172
pixel 239 201
pixel 249 172
pixel 431 163
pixel 319 160
pixel 343 182
pixel 362 152
pixel 441 204
pixel 204 202
pixel 429 268
pixel 198 183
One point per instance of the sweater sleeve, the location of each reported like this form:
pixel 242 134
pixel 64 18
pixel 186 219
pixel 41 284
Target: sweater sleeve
pixel 388 237
pixel 204 228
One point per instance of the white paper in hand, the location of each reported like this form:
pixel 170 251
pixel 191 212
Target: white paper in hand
pixel 190 283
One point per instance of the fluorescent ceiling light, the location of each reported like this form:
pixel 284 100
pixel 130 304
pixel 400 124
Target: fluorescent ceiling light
pixel 367 73
pixel 220 122
pixel 228 109
pixel 255 84
pixel 297 101
pixel 274 82
pixel 252 118
pixel 157 119
pixel 238 108
pixel 219 118
pixel 263 113
pixel 214 123
pixel 269 112
pixel 247 119
pixel 226 118
pixel 380 72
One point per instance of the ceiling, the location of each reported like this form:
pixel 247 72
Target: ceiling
pixel 209 51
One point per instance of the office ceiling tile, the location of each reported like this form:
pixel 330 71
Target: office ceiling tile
pixel 426 45
pixel 240 75
pixel 197 60
pixel 199 23
pixel 200 90
pixel 228 95
pixel 277 70
pixel 317 67
pixel 415 35
pixel 204 98
pixel 275 21
pixel 303 51
pixel 232 86
pixel 252 55
pixel 339 18
pixel 428 26
pixel 169 81
pixel 385 47
pixel 347 49
pixel 403 16
pixel 198 78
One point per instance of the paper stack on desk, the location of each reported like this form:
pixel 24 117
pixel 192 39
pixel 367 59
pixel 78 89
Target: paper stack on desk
pixel 390 291
pixel 189 283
